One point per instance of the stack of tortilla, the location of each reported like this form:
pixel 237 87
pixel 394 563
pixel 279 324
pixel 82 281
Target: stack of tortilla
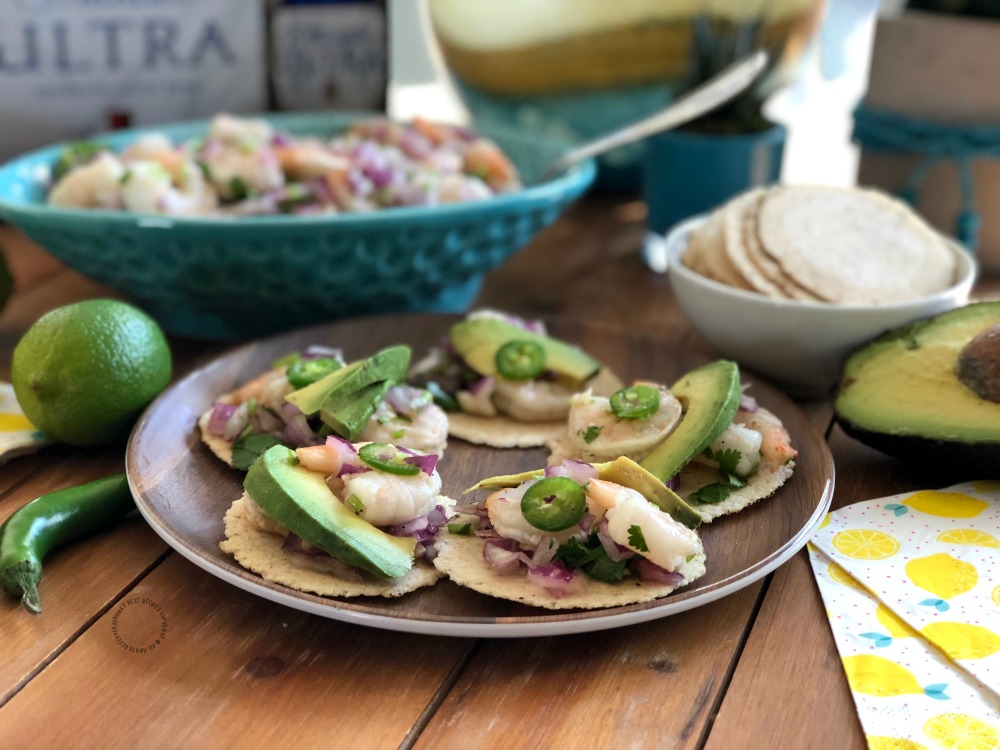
pixel 822 244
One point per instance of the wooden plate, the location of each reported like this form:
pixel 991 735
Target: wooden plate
pixel 183 490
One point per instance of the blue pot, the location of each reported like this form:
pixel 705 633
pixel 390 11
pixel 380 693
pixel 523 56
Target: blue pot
pixel 690 173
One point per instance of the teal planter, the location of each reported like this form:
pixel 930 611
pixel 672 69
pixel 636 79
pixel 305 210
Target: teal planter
pixel 686 174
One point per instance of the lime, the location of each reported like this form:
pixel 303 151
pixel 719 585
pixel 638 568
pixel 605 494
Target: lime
pixel 83 372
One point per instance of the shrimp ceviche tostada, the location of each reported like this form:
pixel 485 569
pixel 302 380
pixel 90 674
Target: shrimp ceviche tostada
pixel 340 519
pixel 505 382
pixel 705 436
pixel 305 397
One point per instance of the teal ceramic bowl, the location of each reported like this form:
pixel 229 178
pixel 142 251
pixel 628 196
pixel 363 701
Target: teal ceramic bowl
pixel 238 278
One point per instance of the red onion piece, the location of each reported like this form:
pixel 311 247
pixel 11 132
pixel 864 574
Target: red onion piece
pixel 426 463
pixel 237 422
pixel 615 551
pixel 556 578
pixel 221 413
pixel 437 517
pixel 298 433
pixel 482 387
pixel 545 552
pixel 748 403
pixel 673 483
pixel 501 555
pixel 650 571
pixel 579 471
pixel 292 543
pixel 316 351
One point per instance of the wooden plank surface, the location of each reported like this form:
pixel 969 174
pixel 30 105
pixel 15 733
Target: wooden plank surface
pixel 648 685
pixel 230 670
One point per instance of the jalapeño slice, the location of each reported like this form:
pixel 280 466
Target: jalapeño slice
pixel 520 360
pixel 305 372
pixel 387 458
pixel 635 402
pixel 553 504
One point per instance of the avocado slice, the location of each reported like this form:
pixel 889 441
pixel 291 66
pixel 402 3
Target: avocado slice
pixel 902 393
pixel 301 501
pixel 346 398
pixel 477 340
pixel 623 471
pixel 710 396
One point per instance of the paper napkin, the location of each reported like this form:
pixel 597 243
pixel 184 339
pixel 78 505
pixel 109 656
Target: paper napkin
pixel 17 435
pixel 911 585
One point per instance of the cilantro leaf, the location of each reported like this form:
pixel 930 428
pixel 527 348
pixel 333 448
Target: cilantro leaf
pixel 247 448
pixel 590 434
pixel 728 460
pixel 710 494
pixel 592 559
pixel 605 569
pixel 636 540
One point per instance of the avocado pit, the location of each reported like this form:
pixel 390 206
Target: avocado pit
pixel 978 364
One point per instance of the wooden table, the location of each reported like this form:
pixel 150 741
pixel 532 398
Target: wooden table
pixel 757 669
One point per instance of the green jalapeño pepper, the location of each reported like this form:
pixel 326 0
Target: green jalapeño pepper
pixel 635 402
pixel 554 504
pixel 50 520
pixel 305 372
pixel 387 458
pixel 520 360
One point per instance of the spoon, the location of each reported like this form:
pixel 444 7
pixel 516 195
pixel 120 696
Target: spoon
pixel 717 90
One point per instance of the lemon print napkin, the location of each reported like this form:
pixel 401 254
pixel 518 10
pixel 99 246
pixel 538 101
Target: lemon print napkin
pixel 911 585
pixel 17 434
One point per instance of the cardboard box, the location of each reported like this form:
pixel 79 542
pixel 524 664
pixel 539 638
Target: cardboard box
pixel 71 68
pixel 944 69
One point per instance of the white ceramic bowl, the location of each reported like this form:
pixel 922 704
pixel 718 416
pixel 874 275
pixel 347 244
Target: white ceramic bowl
pixel 798 345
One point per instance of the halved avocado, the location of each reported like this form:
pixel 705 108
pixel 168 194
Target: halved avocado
pixel 479 339
pixel 902 393
pixel 301 501
pixel 710 397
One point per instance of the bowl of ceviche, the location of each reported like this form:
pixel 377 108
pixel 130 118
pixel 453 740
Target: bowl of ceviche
pixel 233 228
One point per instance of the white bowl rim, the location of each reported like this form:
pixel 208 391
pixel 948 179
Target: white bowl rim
pixel 676 244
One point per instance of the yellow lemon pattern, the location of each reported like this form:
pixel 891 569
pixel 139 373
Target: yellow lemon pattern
pixel 910 587
pixel 942 574
pixel 842 577
pixel 972 537
pixel 961 640
pixel 865 544
pixel 876 675
pixel 876 742
pixel 946 504
pixel 962 732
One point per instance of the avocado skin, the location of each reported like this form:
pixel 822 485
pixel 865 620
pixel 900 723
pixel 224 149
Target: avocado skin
pixel 935 457
pixel 710 396
pixel 478 340
pixel 301 501
pixel 923 354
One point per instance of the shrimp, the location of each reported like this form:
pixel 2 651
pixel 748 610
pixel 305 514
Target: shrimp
pixel 504 510
pixel 595 430
pixel 745 441
pixel 308 159
pixel 240 130
pixel 424 430
pixel 238 168
pixel 487 161
pixel 532 400
pixel 776 443
pixel 636 523
pixel 388 499
pixel 255 388
pixel 453 188
pixel 149 146
pixel 148 187
pixel 93 185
